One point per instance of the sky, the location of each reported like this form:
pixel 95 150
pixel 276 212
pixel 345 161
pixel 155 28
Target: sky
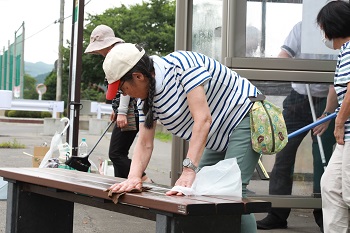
pixel 41 31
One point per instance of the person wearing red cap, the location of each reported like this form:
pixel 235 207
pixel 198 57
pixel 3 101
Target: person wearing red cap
pixel 102 40
pixel 195 98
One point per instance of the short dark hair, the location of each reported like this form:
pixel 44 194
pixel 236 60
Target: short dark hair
pixel 334 19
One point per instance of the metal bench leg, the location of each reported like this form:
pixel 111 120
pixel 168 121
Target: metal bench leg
pixel 32 213
pixel 166 224
pixel 198 224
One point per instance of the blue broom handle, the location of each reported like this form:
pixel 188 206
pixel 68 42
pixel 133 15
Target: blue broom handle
pixel 312 125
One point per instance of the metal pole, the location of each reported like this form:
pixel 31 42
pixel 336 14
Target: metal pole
pixel 263 28
pixel 21 74
pixel 60 55
pixel 75 74
pixel 8 68
pixel 183 37
pixel 3 69
pixel 323 158
pixel 14 65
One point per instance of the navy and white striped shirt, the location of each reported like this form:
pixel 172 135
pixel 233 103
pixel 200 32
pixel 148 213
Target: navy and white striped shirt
pixel 341 79
pixel 227 95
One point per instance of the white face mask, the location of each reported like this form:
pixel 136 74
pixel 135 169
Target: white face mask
pixel 328 43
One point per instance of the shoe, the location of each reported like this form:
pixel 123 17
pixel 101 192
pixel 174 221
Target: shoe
pixel 271 222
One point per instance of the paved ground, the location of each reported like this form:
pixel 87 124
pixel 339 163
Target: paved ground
pixel 89 219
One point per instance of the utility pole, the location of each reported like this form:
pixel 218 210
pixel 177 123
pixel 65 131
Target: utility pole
pixel 60 56
pixel 21 72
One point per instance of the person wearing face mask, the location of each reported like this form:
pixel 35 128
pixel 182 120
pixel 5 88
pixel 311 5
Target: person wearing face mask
pixel 334 21
pixel 297 114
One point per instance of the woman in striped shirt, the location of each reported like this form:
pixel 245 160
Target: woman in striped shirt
pixel 197 99
pixel 334 21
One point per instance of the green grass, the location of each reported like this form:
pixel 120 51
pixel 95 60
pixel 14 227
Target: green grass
pixel 164 137
pixel 13 145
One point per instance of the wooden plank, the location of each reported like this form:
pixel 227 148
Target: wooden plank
pixel 95 185
pixel 136 211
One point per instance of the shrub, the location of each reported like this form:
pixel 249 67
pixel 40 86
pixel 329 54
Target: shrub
pixel 27 114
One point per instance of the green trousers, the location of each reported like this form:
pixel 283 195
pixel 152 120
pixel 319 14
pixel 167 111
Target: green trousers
pixel 239 147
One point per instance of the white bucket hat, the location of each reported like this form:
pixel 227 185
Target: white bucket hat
pixel 101 37
pixel 117 63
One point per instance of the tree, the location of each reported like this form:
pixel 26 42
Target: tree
pixel 29 89
pixel 51 83
pixel 151 24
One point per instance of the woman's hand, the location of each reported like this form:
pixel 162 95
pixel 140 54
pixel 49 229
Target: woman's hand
pixel 186 179
pixel 113 116
pixel 321 128
pixel 122 121
pixel 339 130
pixel 127 185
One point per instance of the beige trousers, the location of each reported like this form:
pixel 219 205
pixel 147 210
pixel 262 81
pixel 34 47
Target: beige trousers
pixel 335 191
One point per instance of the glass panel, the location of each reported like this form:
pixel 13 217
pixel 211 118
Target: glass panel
pixel 273 21
pixel 287 29
pixel 297 114
pixel 270 23
pixel 206 31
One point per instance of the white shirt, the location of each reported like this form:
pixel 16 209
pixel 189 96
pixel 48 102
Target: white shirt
pixel 292 45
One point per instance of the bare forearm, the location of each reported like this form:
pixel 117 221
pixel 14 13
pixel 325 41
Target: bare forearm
pixel 332 101
pixel 202 120
pixel 344 111
pixel 142 151
pixel 198 140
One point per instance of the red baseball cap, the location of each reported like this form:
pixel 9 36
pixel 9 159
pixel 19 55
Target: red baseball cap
pixel 112 90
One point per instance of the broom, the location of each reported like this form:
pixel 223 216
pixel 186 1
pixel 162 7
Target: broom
pixel 82 163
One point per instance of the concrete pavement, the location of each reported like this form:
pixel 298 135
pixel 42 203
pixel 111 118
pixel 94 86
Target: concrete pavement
pixel 89 219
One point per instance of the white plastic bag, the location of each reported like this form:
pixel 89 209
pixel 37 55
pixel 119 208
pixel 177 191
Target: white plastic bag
pixel 223 178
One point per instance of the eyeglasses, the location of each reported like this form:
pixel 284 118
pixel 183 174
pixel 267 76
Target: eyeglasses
pixel 120 91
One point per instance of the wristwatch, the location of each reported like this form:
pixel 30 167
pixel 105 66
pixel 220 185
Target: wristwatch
pixel 188 163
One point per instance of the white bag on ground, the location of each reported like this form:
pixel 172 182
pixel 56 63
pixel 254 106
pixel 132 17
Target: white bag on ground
pixel 223 178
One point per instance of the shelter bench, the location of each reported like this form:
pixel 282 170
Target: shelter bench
pixel 39 198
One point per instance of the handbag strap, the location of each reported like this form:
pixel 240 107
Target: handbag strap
pixel 259 97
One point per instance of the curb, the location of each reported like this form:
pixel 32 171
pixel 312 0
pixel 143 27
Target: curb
pixel 22 120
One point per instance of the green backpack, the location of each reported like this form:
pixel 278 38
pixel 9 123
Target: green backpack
pixel 268 129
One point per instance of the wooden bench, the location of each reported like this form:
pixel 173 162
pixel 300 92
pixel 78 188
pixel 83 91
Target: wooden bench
pixel 42 200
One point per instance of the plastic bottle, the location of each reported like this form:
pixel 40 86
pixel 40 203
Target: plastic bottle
pixel 83 148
